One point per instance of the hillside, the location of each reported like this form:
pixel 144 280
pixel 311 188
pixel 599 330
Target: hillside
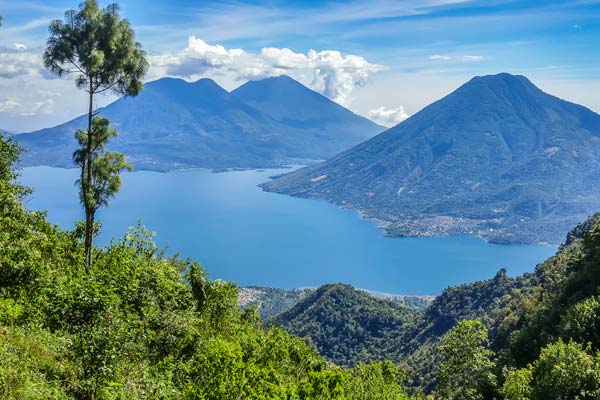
pixel 498 158
pixel 523 314
pixel 348 325
pixel 290 103
pixel 176 124
pixel 138 324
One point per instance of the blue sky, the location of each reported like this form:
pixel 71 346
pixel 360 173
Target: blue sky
pixel 383 59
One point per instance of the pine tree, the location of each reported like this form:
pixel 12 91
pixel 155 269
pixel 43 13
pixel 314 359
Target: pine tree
pixel 99 49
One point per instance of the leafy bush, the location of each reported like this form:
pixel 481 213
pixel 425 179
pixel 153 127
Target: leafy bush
pixel 566 371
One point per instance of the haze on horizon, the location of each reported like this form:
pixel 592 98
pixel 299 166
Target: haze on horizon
pixel 384 60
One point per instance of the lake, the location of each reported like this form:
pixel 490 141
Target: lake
pixel 240 233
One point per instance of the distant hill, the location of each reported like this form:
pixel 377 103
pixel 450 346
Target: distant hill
pixel 348 325
pixel 498 158
pixel 272 302
pixel 175 124
pixel 523 314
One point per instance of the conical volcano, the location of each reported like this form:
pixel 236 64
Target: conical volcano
pixel 497 157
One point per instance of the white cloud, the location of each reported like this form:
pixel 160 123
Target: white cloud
pixel 439 57
pixel 329 71
pixel 388 116
pixel 30 96
pixel 20 46
pixel 38 107
pixel 19 63
pixel 27 107
pixel 472 58
pixel 16 61
pixel 8 105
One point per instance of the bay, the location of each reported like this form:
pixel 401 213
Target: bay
pixel 243 234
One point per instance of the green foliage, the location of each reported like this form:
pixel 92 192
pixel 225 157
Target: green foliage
pixel 562 371
pixel 99 48
pixel 100 174
pixel 348 325
pixel 466 366
pixel 584 281
pixel 581 321
pixel 322 385
pixel 10 190
pixel 478 300
pixel 381 381
pixel 33 364
pixel 517 384
pixel 106 166
pixel 566 371
pixel 564 304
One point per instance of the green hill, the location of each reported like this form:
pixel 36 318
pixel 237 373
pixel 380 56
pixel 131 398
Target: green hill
pixel 347 325
pixel 271 302
pixel 142 325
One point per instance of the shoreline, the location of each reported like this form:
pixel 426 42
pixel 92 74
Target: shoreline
pixel 386 227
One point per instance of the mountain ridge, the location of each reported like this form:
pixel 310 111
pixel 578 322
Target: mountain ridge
pixel 497 158
pixel 177 124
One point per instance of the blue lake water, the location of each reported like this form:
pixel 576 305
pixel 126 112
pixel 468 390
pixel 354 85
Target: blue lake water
pixel 240 233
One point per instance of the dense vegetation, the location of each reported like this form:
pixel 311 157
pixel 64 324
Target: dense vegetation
pixel 138 324
pixel 532 337
pixel 348 325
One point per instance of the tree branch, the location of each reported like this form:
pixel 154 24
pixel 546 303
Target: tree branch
pixel 112 84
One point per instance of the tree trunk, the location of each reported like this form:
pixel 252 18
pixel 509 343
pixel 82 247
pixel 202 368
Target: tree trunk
pixel 87 184
pixel 89 237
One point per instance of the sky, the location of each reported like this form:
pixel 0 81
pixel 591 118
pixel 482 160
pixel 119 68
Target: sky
pixel 382 59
